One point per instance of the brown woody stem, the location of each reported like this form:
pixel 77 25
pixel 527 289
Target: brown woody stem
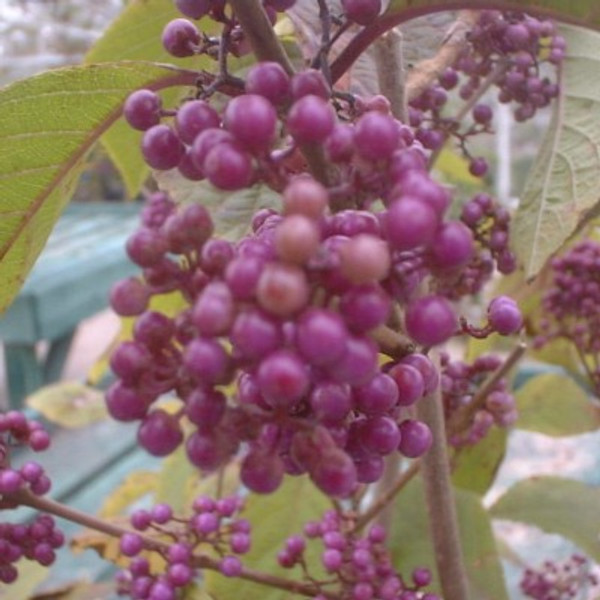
pixel 391 74
pixel 439 497
pixel 267 47
pixel 26 498
pixel 257 28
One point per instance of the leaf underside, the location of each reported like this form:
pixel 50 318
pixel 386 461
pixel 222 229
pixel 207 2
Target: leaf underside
pixel 48 123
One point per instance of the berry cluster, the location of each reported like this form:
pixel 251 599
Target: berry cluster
pixel 572 303
pixel 361 567
pixel 36 541
pixel 560 581
pixel 460 383
pixel 286 316
pixel 489 224
pixel 17 430
pixel 212 527
pixel 507 47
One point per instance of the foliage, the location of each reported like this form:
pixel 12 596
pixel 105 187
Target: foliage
pixel 49 124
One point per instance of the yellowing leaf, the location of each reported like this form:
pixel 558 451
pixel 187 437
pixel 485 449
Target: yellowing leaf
pixel 31 574
pixel 47 125
pixel 135 486
pixel 69 404
pixel 455 168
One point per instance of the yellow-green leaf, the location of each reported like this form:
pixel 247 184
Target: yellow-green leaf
pixel 475 467
pixel 136 35
pixel 555 405
pixel 411 544
pixel 231 211
pixel 275 518
pixel 31 575
pixel 69 404
pixel 47 125
pixel 564 506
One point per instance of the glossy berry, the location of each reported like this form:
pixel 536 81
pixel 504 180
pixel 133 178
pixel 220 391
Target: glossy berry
pixel 362 12
pixel 179 38
pixel 142 109
pixel 430 320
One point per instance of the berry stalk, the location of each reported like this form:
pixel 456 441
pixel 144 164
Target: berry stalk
pixel 463 418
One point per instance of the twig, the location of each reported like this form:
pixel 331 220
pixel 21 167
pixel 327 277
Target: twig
pixel 466 108
pixel 392 343
pixel 391 73
pixel 267 47
pixel 26 498
pixel 443 522
pixel 463 418
pixel 384 500
pixel 257 28
pixel 427 71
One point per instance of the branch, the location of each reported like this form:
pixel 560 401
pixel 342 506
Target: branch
pixel 439 497
pixel 427 71
pixel 384 500
pixel 391 73
pixel 257 28
pixel 26 498
pixel 392 18
pixel 267 47
pixel 464 417
pixel 466 108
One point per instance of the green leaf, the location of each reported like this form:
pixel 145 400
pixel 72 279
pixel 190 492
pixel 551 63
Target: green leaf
pixel 555 405
pixel 564 506
pixel 411 545
pixel 47 125
pixel 476 466
pixel 69 404
pixel 275 518
pixel 136 35
pixel 231 211
pixel 561 193
pixel 176 478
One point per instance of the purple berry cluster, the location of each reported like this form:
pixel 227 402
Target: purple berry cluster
pixel 508 47
pixel 213 528
pixel 17 430
pixel 359 567
pixel 277 348
pixel 572 302
pixel 36 541
pixel 284 315
pixel 489 226
pixel 460 382
pixel 560 580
